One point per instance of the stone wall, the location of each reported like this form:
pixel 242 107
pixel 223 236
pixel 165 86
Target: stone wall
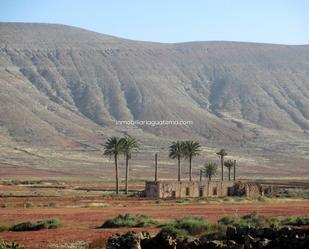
pixel 234 238
pixel 253 190
pixel 152 190
pixel 249 189
pixel 175 189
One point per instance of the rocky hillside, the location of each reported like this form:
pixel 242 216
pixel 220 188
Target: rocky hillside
pixel 62 86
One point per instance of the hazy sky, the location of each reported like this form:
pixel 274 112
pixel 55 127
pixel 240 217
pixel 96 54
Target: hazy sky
pixel 271 21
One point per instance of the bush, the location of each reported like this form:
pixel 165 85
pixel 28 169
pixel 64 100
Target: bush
pixel 296 221
pixel 192 225
pixel 173 232
pixel 4 227
pixel 227 199
pixel 36 225
pixel 251 220
pixel 254 220
pixel 228 220
pixel 128 220
pixel 4 245
pixel 262 198
pixel 29 205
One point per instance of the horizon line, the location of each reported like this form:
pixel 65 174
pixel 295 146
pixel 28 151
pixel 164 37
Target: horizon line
pixel 151 41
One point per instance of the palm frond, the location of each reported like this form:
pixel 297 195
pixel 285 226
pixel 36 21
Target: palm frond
pixel 191 148
pixel 222 152
pixel 210 169
pixel 229 164
pixel 176 149
pixel 113 146
pixel 129 145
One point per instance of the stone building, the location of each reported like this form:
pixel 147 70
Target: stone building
pixel 175 189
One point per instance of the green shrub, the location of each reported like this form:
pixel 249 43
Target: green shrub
pixel 52 204
pixel 262 198
pixel 5 245
pixel 29 205
pixel 229 220
pixel 173 232
pixel 293 193
pixel 296 221
pixel 36 225
pixel 228 199
pixel 128 220
pixel 4 227
pixel 193 225
pixel 252 220
pixel 217 231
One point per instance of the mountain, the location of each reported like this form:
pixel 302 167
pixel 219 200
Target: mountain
pixel 65 87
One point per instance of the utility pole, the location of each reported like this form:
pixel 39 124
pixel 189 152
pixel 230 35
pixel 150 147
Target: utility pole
pixel 234 170
pixel 156 167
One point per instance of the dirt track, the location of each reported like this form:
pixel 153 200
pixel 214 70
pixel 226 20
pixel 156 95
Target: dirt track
pixel 79 224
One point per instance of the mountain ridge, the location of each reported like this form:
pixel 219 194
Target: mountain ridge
pixel 65 26
pixel 61 86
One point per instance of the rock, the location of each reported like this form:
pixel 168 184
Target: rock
pixel 243 231
pixel 231 232
pixel 239 246
pixel 250 238
pixel 270 233
pixel 195 244
pixel 130 240
pixel 231 243
pixel 249 242
pixel 259 232
pixel 286 231
pixel 215 244
pixel 263 243
pixel 163 240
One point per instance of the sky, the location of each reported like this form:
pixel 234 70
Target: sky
pixel 267 21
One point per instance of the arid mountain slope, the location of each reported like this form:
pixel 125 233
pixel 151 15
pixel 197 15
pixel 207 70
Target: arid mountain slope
pixel 62 85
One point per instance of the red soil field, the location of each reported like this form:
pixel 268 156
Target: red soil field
pixel 79 224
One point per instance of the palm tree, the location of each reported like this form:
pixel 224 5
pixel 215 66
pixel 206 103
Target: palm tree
pixel 176 150
pixel 129 145
pixel 114 146
pixel 210 170
pixel 191 149
pixel 229 164
pixel 222 153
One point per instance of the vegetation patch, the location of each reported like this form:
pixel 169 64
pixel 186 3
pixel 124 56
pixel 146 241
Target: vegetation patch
pixel 251 220
pixel 4 227
pixel 190 225
pixel 254 220
pixel 296 221
pixel 13 245
pixel 36 225
pixel 127 220
pixel 293 193
pixel 173 232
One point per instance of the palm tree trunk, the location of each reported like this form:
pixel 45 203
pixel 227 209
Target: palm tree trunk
pixel 190 169
pixel 229 174
pixel 117 175
pixel 179 169
pixel 127 174
pixel 234 177
pixel 222 168
pixel 156 167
